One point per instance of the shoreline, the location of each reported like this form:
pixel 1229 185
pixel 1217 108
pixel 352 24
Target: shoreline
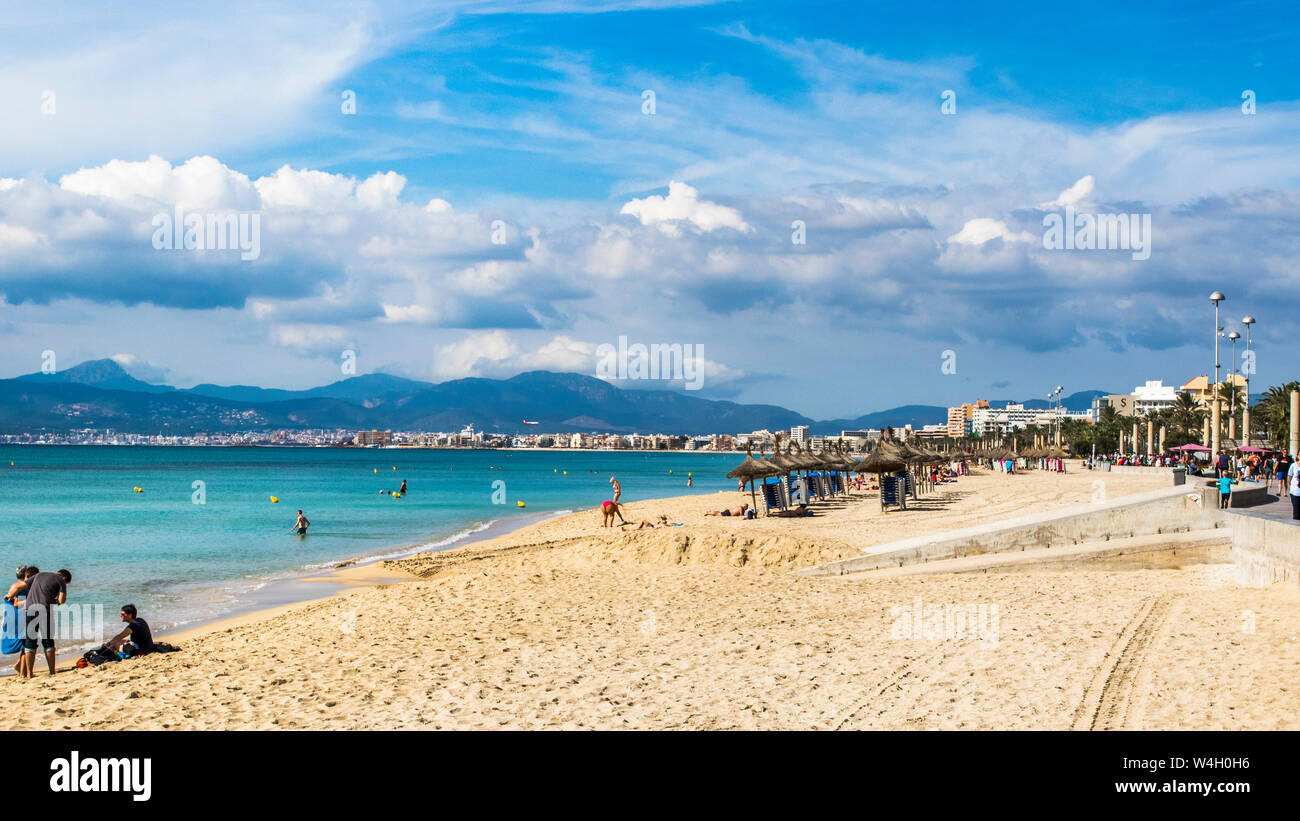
pixel 286 592
pixel 282 594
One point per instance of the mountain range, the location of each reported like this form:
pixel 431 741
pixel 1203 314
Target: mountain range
pixel 102 394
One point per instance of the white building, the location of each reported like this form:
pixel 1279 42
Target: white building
pixel 1154 396
pixel 799 433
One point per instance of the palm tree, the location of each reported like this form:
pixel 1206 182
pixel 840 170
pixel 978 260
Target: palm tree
pixel 1187 416
pixel 1273 411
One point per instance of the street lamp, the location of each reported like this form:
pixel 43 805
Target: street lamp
pixel 1058 415
pixel 1215 298
pixel 1250 366
pixel 1232 413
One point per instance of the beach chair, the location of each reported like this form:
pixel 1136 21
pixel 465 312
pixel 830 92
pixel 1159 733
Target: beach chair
pixel 772 497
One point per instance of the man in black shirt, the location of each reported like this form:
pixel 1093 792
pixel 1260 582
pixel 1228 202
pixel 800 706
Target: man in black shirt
pixel 44 592
pixel 137 634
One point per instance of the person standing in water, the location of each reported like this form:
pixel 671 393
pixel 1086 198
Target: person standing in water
pixel 302 524
pixel 402 489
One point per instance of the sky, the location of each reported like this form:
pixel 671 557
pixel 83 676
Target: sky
pixel 841 207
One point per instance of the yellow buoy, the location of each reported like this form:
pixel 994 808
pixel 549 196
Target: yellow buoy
pixel 566 473
pixel 397 495
pixel 376 470
pixel 138 490
pixel 520 504
pixel 394 467
pixel 275 500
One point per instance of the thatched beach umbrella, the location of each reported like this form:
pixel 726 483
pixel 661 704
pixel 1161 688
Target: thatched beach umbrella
pixel 751 469
pixel 884 459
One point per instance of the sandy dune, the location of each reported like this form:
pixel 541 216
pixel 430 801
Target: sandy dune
pixel 566 625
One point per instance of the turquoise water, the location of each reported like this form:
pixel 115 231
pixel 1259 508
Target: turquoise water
pixel 182 556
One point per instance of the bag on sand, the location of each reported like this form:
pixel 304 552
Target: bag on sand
pixel 100 655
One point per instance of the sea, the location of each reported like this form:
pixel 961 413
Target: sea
pixel 202 535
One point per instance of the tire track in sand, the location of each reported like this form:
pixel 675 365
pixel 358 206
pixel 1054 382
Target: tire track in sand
pixel 894 678
pixel 1108 703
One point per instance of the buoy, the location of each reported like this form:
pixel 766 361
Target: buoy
pixel 275 500
pixel 376 470
pixel 566 473
pixel 520 504
pixel 397 495
pixel 394 467
pixel 138 490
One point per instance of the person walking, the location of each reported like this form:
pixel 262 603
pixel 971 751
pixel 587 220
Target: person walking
pixel 1293 476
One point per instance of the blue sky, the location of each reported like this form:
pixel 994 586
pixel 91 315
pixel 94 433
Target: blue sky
pixel 923 228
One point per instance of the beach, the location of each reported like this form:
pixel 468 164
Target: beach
pixel 564 624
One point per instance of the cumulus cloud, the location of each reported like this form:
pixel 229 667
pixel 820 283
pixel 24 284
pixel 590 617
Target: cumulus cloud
pixel 683 205
pixel 980 230
pixel 309 338
pixel 1075 195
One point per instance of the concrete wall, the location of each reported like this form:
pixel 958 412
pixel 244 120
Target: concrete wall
pixel 1264 550
pixel 1140 470
pixel 1167 510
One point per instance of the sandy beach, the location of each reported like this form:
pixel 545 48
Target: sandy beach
pixel 565 624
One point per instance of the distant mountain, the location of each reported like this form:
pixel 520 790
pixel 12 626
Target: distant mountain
pixel 101 394
pixel 918 416
pixel 368 390
pixel 98 373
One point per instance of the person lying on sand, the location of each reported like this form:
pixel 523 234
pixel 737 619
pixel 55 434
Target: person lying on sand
pixel 608 510
pixel 662 521
pixel 801 510
pixel 735 511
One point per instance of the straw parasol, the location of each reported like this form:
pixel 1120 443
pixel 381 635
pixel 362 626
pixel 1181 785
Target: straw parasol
pixel 883 459
pixel 752 469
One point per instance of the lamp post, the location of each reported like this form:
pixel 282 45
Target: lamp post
pixel 1250 366
pixel 1215 298
pixel 1232 381
pixel 1058 415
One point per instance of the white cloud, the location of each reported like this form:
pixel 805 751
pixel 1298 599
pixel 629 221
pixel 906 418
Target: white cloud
pixel 200 182
pixel 1076 194
pixel 684 205
pixel 309 338
pixel 980 230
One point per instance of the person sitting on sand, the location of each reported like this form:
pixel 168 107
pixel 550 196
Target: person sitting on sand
pixel 735 511
pixel 608 510
pixel 136 634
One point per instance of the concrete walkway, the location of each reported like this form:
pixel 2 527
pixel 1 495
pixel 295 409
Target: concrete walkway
pixel 1276 508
